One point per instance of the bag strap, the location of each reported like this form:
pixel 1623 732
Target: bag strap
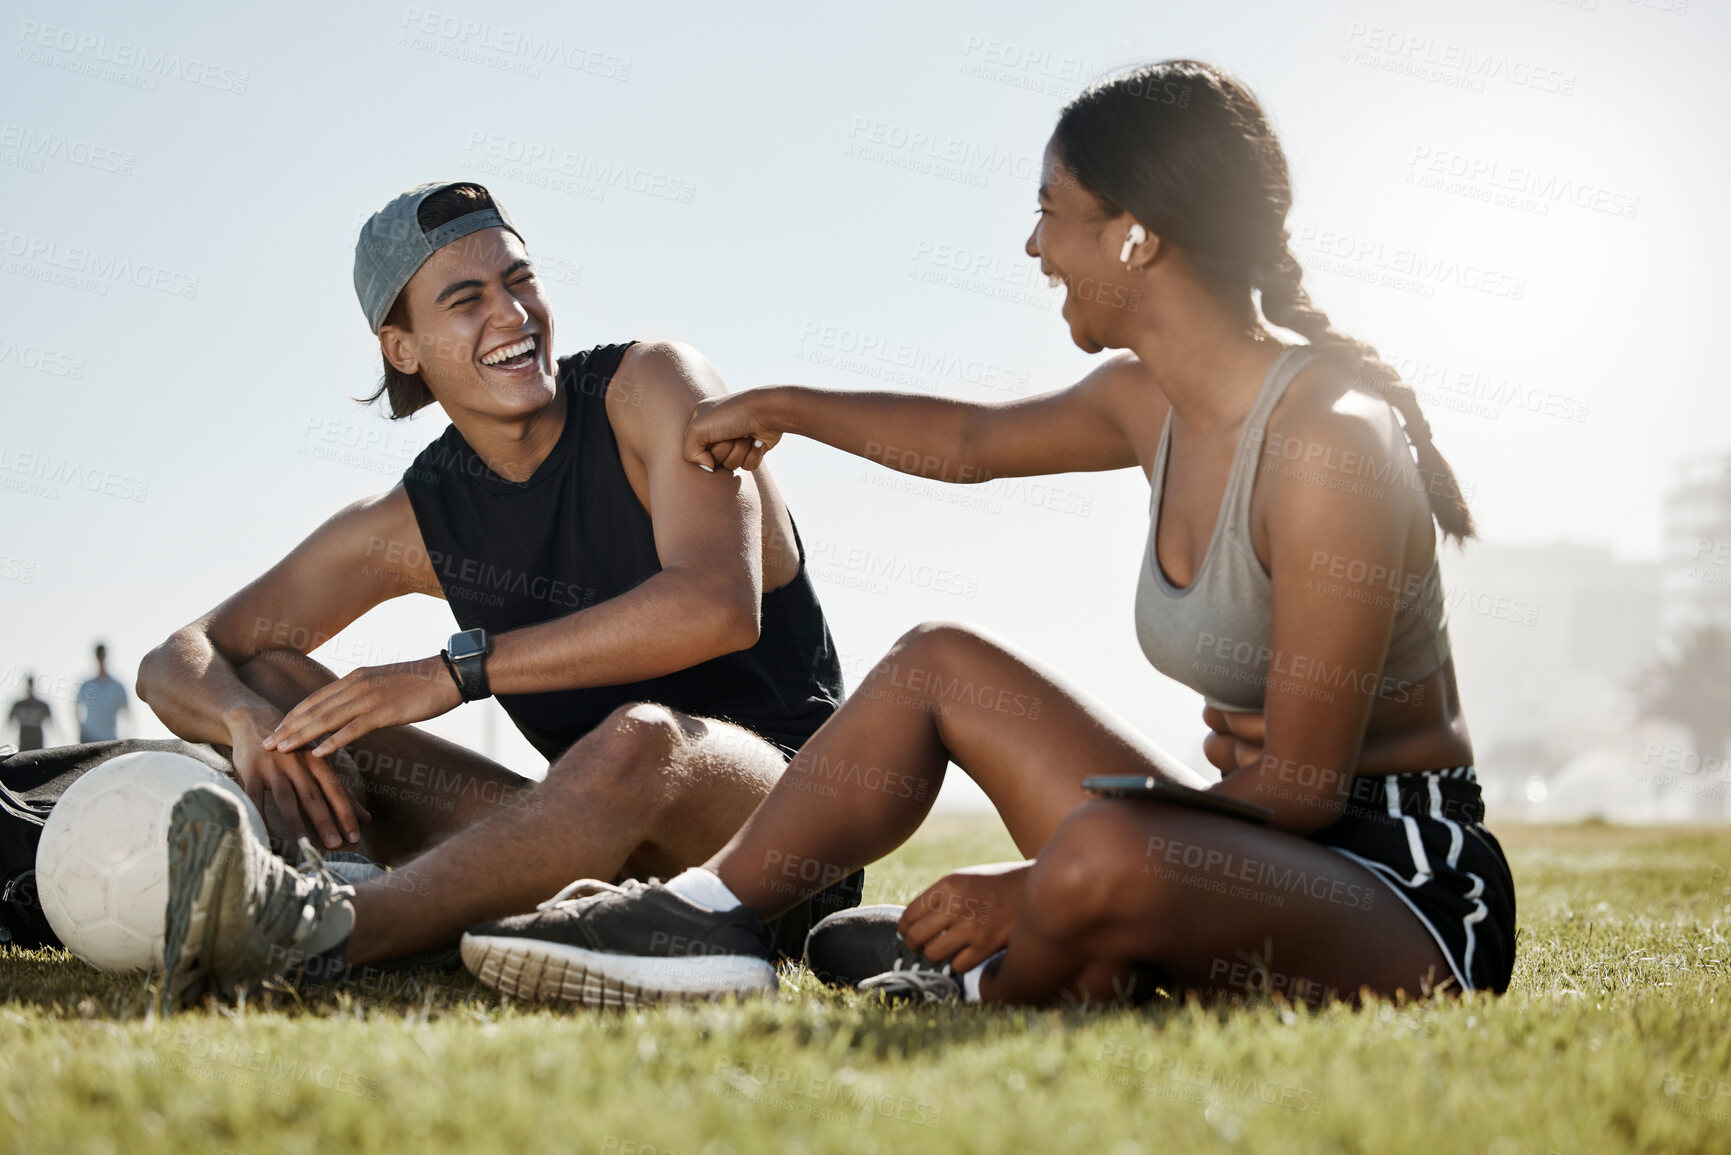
pixel 14 892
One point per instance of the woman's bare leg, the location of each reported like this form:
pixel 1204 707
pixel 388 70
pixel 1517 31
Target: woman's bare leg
pixel 1219 905
pixel 865 781
pixel 1111 885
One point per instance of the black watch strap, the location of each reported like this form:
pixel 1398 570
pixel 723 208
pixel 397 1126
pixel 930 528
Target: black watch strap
pixel 466 656
pixel 445 657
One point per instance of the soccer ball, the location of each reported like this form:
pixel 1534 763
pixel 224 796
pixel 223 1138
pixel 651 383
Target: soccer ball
pixel 102 864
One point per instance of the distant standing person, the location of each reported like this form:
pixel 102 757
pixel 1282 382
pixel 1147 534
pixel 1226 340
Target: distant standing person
pixel 32 715
pixel 100 702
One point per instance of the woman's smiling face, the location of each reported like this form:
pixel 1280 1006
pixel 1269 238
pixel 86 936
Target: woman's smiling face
pixel 1077 242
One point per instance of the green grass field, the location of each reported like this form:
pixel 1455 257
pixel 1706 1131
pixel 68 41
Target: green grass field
pixel 1613 1037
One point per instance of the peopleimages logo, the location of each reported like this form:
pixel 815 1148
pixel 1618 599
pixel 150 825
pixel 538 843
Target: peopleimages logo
pixel 80 262
pixel 1451 62
pixel 52 470
pixel 523 45
pixel 40 145
pixel 870 564
pixel 82 51
pixel 857 350
pixel 1368 258
pixel 15 569
pixel 583 167
pixel 43 360
pixel 1481 392
pixel 1489 176
pixel 886 141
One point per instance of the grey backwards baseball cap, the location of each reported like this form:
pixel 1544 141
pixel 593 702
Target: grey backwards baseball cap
pixel 392 245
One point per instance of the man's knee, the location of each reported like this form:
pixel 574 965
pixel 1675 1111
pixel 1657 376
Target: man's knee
pixel 633 745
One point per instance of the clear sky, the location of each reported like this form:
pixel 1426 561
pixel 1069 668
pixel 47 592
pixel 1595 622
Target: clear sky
pixel 1517 200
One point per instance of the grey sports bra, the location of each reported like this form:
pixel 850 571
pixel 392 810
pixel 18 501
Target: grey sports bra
pixel 1213 635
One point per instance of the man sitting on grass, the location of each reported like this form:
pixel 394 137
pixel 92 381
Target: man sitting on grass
pixel 647 624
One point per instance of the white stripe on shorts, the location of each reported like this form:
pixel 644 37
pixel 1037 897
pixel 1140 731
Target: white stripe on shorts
pixel 1398 886
pixel 1477 916
pixel 1436 812
pixel 1421 864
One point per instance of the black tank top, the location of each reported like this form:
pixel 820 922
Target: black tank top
pixel 510 554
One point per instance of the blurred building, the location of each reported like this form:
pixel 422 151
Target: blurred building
pixel 1548 641
pixel 1696 583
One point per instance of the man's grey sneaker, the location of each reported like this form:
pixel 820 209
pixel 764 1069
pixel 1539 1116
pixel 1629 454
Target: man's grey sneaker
pixel 921 984
pixel 851 946
pixel 236 912
pixel 355 869
pixel 603 945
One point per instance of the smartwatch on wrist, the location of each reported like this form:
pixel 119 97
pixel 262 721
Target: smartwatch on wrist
pixel 465 656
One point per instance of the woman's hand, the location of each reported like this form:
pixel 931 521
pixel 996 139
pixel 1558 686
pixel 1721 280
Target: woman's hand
pixel 966 916
pixel 1235 740
pixel 730 432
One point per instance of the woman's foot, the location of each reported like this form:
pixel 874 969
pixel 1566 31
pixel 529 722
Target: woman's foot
pixel 851 946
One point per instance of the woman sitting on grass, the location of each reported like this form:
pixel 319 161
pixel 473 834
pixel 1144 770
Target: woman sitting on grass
pixel 1290 577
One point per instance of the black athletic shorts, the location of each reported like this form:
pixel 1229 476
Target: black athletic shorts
pixel 1423 834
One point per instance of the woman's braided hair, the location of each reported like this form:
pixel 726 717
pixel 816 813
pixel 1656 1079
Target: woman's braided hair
pixel 1186 149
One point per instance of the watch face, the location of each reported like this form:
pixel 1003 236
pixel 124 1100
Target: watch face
pixel 466 644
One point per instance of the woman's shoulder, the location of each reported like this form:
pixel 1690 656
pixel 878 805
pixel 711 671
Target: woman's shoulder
pixel 1330 417
pixel 1334 454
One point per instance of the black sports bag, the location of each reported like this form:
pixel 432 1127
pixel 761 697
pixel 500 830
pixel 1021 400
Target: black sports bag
pixel 30 784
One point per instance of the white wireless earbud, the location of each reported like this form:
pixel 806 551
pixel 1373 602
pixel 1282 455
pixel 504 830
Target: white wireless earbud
pixel 1137 235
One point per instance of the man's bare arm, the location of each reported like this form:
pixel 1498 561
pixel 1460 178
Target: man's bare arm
pixel 324 583
pixel 704 601
pixel 708 536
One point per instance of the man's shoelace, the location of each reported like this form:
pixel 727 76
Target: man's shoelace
pixel 589 887
pixel 294 900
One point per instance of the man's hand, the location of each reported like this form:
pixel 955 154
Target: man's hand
pixel 966 916
pixel 298 782
pixel 729 433
pixel 370 698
